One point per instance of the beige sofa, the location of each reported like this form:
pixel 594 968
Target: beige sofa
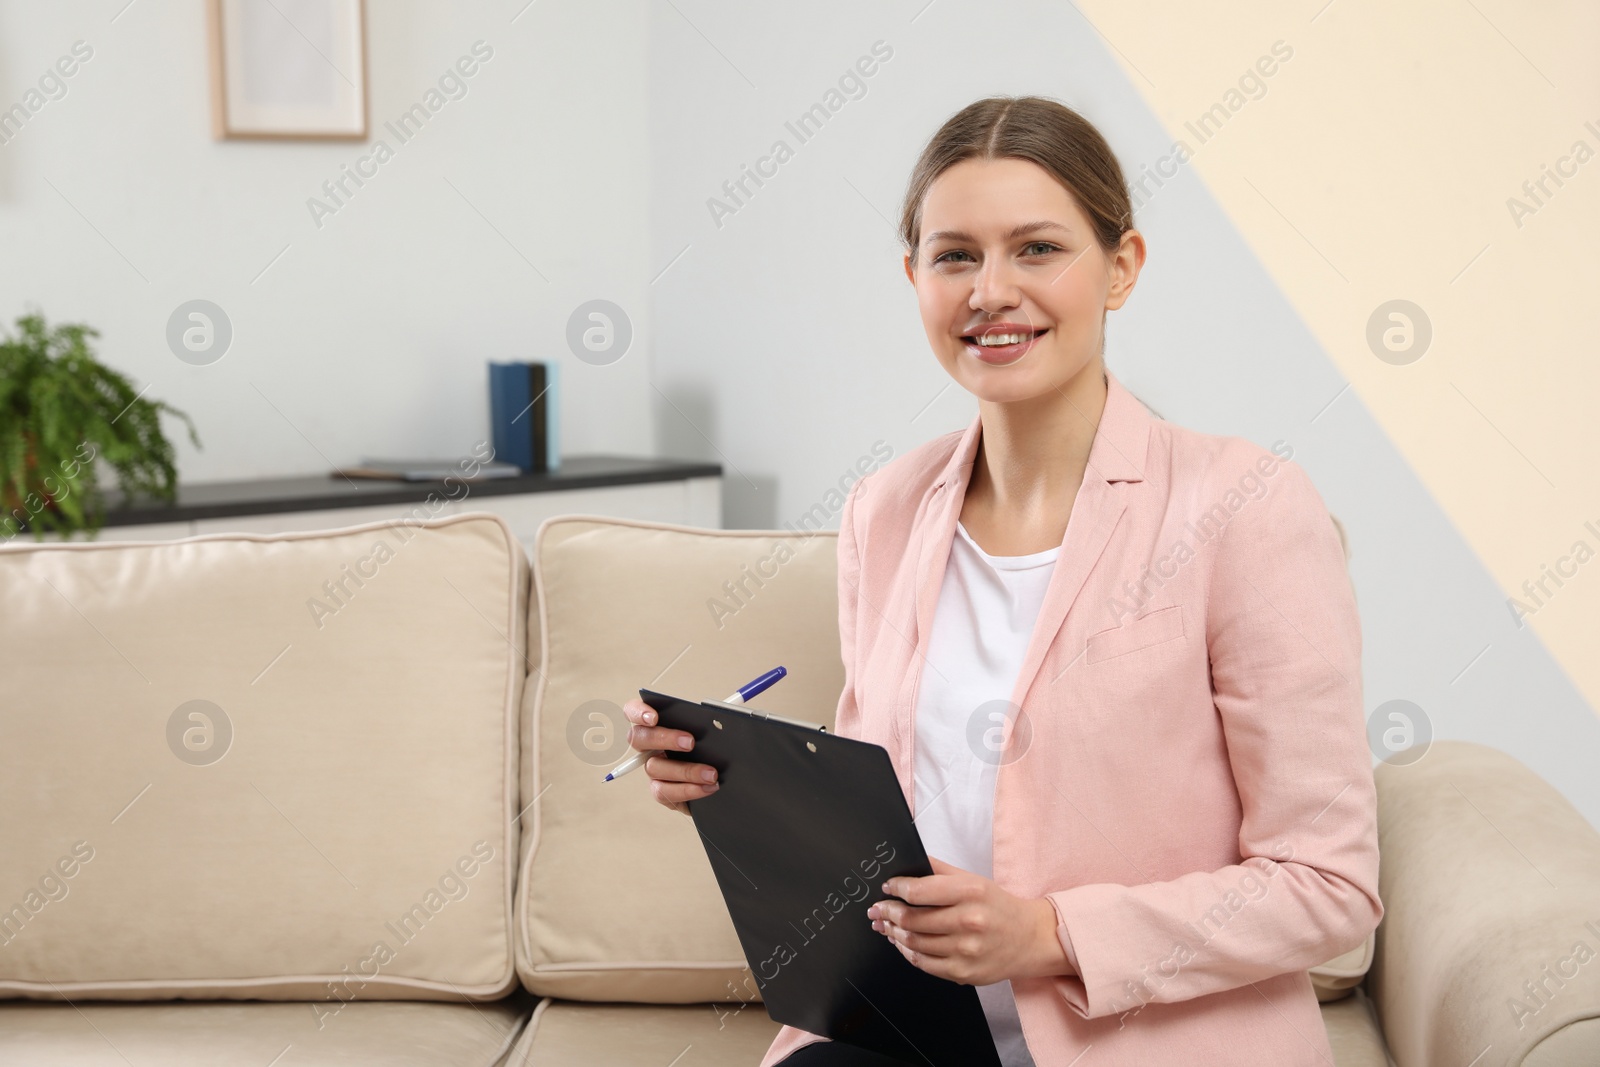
pixel 336 798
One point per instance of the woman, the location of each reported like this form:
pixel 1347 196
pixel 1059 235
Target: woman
pixel 1116 663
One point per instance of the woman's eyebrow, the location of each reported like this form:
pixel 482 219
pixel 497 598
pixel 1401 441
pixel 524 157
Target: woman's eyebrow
pixel 1021 230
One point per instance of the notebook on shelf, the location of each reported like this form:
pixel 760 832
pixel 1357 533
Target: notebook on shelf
pixel 429 470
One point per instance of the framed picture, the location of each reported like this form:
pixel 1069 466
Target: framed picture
pixel 288 69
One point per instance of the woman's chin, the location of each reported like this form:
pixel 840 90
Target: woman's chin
pixel 1024 379
pixel 1008 392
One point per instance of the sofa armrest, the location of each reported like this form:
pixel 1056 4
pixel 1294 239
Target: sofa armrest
pixel 1490 941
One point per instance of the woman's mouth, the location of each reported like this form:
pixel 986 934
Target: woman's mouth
pixel 1003 345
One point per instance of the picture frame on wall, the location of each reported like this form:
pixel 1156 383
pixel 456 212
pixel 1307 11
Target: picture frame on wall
pixel 288 69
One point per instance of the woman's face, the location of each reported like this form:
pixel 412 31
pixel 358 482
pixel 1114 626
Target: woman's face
pixel 1007 254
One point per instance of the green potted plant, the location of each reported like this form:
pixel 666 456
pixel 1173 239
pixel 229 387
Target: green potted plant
pixel 61 411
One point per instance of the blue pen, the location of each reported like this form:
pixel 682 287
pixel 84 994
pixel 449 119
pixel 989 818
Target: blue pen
pixel 745 692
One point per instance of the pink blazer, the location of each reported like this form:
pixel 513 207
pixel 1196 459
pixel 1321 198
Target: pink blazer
pixel 1189 780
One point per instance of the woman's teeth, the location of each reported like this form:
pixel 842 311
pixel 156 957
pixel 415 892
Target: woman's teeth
pixel 994 340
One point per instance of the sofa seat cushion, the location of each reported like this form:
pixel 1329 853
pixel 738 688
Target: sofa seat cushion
pixel 256 1033
pixel 1354 1033
pixel 569 1034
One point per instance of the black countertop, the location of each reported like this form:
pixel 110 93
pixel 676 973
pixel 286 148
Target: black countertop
pixel 267 496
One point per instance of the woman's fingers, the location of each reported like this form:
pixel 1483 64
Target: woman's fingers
pixel 672 783
pixel 673 794
pixel 926 944
pixel 655 738
pixel 680 792
pixel 918 920
pixel 662 769
pixel 645 735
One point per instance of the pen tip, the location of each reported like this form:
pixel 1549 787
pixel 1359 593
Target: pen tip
pixel 608 777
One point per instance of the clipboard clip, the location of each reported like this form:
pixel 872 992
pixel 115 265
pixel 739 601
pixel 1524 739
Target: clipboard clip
pixel 757 713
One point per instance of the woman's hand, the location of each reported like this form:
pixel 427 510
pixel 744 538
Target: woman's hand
pixel 672 782
pixel 962 926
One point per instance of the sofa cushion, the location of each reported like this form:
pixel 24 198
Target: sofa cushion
pixel 564 1034
pixel 1573 1045
pixel 234 1034
pixel 616 899
pixel 1353 1032
pixel 1340 975
pixel 262 766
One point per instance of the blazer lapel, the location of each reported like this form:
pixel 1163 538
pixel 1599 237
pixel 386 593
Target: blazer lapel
pixel 1094 518
pixel 1117 454
pixel 936 526
pixel 941 512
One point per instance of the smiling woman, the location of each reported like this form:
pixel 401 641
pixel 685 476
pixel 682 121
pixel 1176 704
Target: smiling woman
pixel 1100 790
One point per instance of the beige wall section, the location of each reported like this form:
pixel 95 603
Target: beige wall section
pixel 1376 164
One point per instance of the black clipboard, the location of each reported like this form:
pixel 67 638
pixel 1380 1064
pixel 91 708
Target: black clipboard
pixel 801 836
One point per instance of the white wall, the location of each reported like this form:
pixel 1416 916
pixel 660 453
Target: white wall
pixel 369 335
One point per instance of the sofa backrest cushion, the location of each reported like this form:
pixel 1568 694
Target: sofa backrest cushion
pixel 616 899
pixel 273 767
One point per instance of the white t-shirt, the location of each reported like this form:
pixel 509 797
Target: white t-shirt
pixel 988 606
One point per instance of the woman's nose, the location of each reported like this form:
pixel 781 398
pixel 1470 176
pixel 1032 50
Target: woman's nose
pixel 994 288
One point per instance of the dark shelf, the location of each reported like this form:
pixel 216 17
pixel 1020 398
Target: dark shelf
pixel 269 496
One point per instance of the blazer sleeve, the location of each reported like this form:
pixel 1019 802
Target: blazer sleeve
pixel 846 717
pixel 1285 647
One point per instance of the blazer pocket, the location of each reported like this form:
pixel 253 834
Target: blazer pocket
pixel 1155 628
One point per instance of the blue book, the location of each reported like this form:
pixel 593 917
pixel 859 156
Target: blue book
pixel 523 406
pixel 509 424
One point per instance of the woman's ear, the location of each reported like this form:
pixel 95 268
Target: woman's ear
pixel 911 275
pixel 1124 267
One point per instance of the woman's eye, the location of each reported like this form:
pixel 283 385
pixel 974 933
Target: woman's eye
pixel 948 257
pixel 1040 248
